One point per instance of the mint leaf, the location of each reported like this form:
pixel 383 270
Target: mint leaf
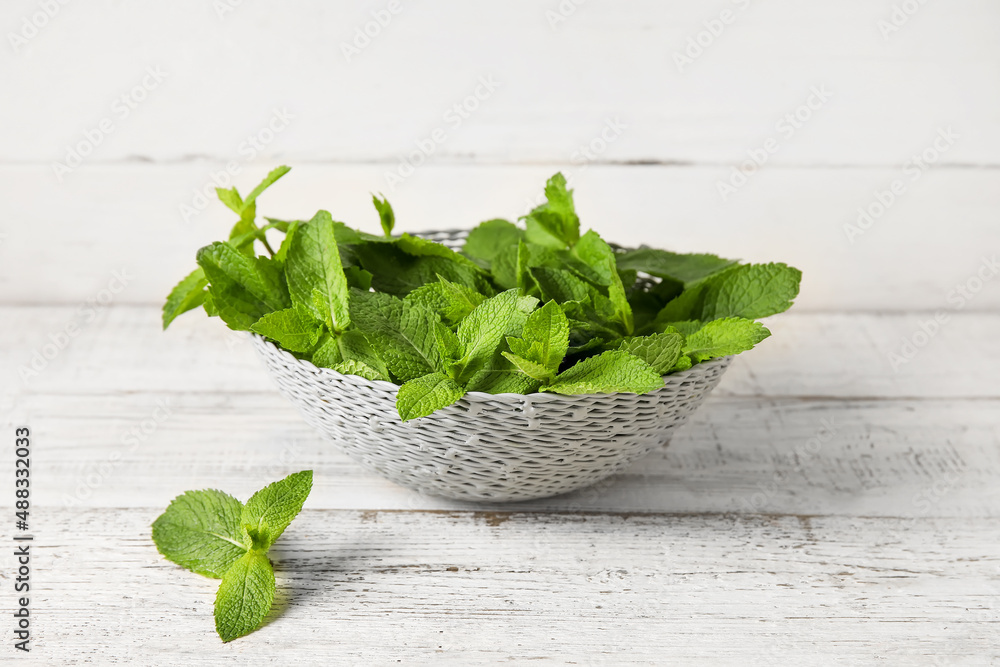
pixel 386 217
pixel 503 381
pixel 187 295
pixel 224 264
pixel 315 274
pixel 610 372
pixel 201 531
pixel 489 238
pixel 452 301
pixel 421 396
pixel 721 338
pixel 246 231
pixel 245 596
pixel 350 353
pixel 543 342
pixel 482 332
pixel 532 369
pixel 282 254
pixel 404 333
pixel 292 328
pixel 688 269
pixel 616 293
pixel 554 223
pixel 560 285
pixel 750 291
pixel 359 368
pixel 406 263
pixel 231 198
pixel 269 511
pixel 597 257
pixel 268 181
pixel 661 351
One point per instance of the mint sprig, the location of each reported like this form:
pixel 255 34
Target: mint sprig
pixel 547 306
pixel 211 533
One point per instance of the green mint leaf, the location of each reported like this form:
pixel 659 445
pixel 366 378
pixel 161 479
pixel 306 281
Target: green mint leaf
pixel 224 263
pixel 358 278
pixel 661 351
pixel 751 291
pixel 238 308
pixel 350 353
pixel 616 294
pixel 201 531
pixel 231 198
pixel 560 285
pixel 482 332
pixel 268 181
pixel 282 254
pixel 720 338
pixel 530 368
pixel 245 596
pixel 610 372
pixel 503 381
pixel 292 328
pixel 270 510
pixel 404 333
pixel 683 363
pixel 489 238
pixel 452 301
pixel 597 256
pixel 688 269
pixel 685 328
pixel 187 295
pixel 554 223
pixel 315 274
pixel 525 283
pixel 406 263
pixel 359 368
pixel 243 234
pixel 421 396
pixel 544 340
pixel 386 217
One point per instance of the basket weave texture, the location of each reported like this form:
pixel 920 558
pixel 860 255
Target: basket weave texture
pixel 489 447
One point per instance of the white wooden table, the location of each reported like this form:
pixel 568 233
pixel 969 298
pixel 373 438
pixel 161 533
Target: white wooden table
pixel 813 511
pixel 822 507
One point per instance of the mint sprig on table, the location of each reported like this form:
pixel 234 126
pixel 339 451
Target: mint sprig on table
pixel 520 309
pixel 214 534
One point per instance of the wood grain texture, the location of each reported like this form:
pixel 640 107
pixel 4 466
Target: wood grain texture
pixel 557 85
pixel 123 350
pixel 901 458
pixel 460 588
pixel 65 243
pixel 811 511
pixel 790 430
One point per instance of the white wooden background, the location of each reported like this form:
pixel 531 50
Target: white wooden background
pixel 825 505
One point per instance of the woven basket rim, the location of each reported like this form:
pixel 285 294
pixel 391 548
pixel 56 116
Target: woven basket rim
pixel 474 395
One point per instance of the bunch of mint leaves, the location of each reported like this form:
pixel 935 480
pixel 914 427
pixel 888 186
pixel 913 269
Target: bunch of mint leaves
pixel 519 310
pixel 214 534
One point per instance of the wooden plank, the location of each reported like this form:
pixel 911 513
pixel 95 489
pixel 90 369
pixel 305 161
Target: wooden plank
pixel 123 350
pixel 128 226
pixel 558 84
pixel 902 458
pixel 462 588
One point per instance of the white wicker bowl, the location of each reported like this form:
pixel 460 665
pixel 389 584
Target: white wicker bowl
pixel 489 447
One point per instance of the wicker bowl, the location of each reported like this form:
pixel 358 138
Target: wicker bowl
pixel 489 447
